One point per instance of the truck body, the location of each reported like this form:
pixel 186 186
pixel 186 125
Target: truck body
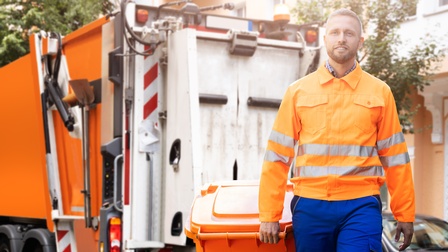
pixel 109 132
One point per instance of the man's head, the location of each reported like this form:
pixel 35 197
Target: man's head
pixel 343 36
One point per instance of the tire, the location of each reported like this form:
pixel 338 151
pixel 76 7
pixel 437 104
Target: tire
pixel 4 245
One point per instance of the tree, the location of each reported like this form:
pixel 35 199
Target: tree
pixel 379 56
pixel 19 18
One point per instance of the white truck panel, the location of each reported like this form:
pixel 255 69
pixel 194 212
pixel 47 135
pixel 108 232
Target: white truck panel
pixel 218 74
pixel 235 131
pixel 182 123
pixel 140 167
pixel 146 168
pixel 268 74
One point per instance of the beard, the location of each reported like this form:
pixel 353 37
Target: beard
pixel 342 58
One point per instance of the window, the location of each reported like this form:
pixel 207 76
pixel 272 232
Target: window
pixel 434 7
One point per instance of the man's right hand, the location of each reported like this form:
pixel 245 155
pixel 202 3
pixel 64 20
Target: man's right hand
pixel 407 228
pixel 269 232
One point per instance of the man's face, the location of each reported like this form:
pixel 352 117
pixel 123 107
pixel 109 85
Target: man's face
pixel 343 38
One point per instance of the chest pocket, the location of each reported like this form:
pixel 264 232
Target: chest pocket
pixel 312 111
pixel 368 110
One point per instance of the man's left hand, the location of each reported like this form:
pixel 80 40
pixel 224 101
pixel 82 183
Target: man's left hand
pixel 407 228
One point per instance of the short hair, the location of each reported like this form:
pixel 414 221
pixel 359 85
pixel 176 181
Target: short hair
pixel 346 12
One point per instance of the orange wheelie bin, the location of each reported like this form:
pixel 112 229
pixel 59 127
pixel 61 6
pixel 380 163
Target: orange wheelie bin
pixel 224 217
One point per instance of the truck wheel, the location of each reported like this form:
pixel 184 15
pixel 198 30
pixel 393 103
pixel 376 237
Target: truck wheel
pixel 4 245
pixel 32 246
pixel 38 249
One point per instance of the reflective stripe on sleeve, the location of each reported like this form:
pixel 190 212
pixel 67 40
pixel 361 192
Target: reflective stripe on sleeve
pixel 337 150
pixel 400 159
pixel 317 171
pixel 391 141
pixel 282 139
pixel 275 157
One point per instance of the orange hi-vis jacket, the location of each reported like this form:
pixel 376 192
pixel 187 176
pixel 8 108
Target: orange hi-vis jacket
pixel 349 143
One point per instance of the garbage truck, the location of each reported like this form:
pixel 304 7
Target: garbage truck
pixel 109 133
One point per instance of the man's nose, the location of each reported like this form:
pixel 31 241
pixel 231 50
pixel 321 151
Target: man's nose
pixel 341 37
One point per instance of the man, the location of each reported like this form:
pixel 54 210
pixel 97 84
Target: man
pixel 349 143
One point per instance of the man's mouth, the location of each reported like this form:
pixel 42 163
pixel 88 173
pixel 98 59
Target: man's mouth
pixel 340 48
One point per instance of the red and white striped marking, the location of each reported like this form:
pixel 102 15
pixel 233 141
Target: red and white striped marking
pixel 150 85
pixel 64 240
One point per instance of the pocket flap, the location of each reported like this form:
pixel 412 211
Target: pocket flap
pixel 369 101
pixel 311 100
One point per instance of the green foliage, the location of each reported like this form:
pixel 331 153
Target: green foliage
pixel 319 10
pixel 404 74
pixel 379 56
pixel 307 12
pixel 18 18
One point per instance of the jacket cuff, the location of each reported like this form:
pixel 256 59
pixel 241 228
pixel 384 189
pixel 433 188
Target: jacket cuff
pixel 270 216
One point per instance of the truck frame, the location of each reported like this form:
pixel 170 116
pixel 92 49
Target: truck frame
pixel 110 131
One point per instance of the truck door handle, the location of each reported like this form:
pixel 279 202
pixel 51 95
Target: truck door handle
pixel 175 155
pixel 115 182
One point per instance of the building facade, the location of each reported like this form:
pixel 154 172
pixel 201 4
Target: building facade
pixel 430 141
pixel 253 9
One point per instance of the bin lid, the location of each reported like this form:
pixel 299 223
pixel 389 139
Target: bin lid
pixel 232 207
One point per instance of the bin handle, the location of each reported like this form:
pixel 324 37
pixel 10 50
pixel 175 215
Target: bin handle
pixel 238 235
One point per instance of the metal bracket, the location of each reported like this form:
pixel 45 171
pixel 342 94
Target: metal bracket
pixel 129 94
pixel 244 43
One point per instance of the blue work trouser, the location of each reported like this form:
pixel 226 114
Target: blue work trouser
pixel 337 226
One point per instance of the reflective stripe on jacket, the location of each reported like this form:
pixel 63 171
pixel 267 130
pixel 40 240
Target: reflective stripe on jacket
pixel 350 143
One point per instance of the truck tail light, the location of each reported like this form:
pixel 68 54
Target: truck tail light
pixel 115 234
pixel 310 36
pixel 142 16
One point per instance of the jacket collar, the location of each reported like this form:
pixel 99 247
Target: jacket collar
pixel 352 79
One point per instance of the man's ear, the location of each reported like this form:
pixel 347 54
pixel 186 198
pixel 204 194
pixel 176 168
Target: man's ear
pixel 361 42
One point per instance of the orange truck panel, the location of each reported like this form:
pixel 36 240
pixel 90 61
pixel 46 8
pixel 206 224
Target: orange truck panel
pixel 23 179
pixel 23 168
pixel 82 50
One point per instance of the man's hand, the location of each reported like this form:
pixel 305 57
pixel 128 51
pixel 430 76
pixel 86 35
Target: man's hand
pixel 269 232
pixel 407 228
